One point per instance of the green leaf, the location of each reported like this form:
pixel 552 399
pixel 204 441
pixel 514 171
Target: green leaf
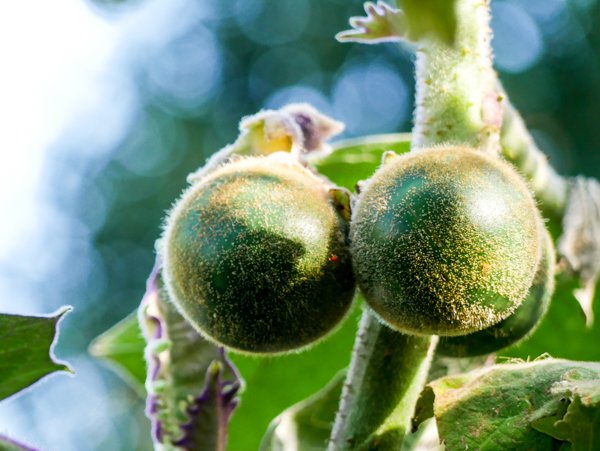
pixel 520 406
pixel 563 332
pixel 357 159
pixel 122 346
pixel 26 344
pixel 306 426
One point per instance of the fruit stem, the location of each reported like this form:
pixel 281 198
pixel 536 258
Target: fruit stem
pixel 386 376
pixel 457 100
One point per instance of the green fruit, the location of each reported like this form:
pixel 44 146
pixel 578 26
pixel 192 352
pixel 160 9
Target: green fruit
pixel 518 325
pixel 445 241
pixel 256 256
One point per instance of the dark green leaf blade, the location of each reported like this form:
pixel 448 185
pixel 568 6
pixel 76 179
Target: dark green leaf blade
pixel 26 344
pixel 307 424
pixel 122 346
pixel 520 406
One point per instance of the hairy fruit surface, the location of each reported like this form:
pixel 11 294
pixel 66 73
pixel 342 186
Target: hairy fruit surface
pixel 518 325
pixel 256 256
pixel 445 241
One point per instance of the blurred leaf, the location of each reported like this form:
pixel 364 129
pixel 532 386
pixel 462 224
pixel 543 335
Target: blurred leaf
pixel 516 406
pixel 192 386
pixel 123 347
pixel 307 424
pixel 357 159
pixel 275 383
pixel 579 244
pixel 8 444
pixel 26 350
pixel 562 332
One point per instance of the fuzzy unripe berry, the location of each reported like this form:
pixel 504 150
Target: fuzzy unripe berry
pixel 256 256
pixel 518 325
pixel 445 241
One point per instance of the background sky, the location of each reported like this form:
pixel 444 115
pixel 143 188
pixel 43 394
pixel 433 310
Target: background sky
pixel 105 107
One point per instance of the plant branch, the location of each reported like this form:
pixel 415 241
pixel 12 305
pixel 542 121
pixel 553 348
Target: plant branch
pixel 572 203
pixel 386 376
pixel 457 100
pixel 519 148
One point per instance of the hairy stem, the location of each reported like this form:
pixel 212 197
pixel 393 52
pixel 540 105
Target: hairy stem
pixel 457 100
pixel 386 376
pixel 520 149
